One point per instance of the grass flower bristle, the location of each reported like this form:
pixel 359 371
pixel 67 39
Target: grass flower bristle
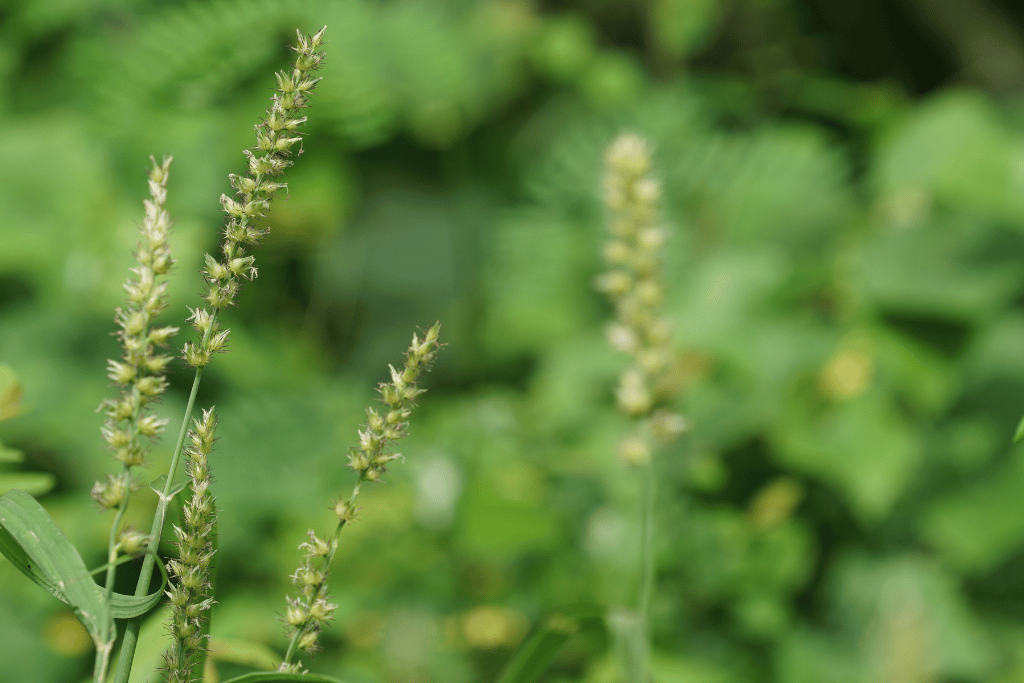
pixel 633 282
pixel 140 371
pixel 190 591
pixel 310 610
pixel 276 137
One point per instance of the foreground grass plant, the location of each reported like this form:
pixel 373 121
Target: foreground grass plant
pixel 275 138
pixel 30 539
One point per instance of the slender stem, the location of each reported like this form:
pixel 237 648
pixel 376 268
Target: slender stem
pixel 103 654
pixel 131 633
pixel 646 541
pixel 99 669
pixel 646 566
pixel 301 630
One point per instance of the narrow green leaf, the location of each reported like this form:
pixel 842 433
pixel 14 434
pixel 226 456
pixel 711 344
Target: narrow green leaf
pixel 158 486
pixel 128 606
pixel 540 649
pixel 32 483
pixel 269 676
pixel 33 543
pixel 1019 434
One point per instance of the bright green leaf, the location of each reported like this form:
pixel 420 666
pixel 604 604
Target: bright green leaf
pixel 24 528
pixel 978 525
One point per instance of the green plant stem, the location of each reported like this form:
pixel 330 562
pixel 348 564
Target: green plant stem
pixel 301 630
pixel 646 566
pixel 99 673
pixel 131 633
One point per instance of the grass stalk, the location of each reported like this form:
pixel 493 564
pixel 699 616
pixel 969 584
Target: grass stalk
pixel 103 654
pixel 131 633
pixel 646 587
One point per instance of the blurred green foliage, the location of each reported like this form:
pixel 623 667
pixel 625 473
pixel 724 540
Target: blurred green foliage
pixel 845 277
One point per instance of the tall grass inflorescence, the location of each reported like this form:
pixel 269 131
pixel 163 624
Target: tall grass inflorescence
pixel 34 544
pixel 634 285
pixel 275 138
pixel 308 612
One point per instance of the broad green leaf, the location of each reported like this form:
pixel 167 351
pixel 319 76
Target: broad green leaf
pixel 31 540
pixel 32 483
pixel 933 270
pixel 957 147
pixel 978 525
pixel 537 653
pixel 273 677
pixel 128 606
pixel 912 601
pixel 872 450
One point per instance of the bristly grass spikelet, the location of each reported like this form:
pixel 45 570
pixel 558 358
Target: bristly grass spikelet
pixel 275 138
pixel 634 285
pixel 190 591
pixel 310 610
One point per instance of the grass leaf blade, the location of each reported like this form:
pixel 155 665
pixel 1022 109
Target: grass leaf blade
pixel 537 653
pixel 32 542
pixel 274 677
pixel 127 606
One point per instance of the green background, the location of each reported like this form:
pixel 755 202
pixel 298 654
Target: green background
pixel 845 184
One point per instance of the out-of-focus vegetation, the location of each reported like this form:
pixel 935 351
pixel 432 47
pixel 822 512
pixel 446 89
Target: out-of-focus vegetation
pixel 846 187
